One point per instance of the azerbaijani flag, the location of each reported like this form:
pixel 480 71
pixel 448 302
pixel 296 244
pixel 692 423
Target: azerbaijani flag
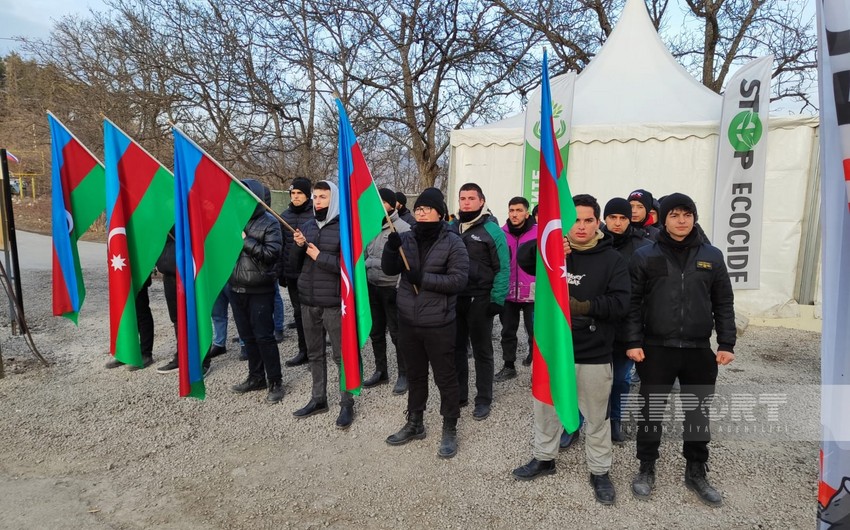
pixel 553 373
pixel 361 213
pixel 211 209
pixel 834 90
pixel 139 214
pixel 77 200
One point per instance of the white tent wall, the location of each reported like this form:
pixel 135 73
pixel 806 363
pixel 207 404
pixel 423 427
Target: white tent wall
pixel 683 161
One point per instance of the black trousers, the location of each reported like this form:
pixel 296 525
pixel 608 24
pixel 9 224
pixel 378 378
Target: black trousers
pixel 169 287
pixel 696 369
pixel 292 289
pixel 434 346
pixel 474 325
pixel 144 319
pixel 384 317
pixel 253 314
pixel 509 318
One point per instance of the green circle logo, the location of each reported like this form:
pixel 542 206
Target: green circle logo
pixel 745 131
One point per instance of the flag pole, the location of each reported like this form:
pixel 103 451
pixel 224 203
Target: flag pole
pixel 233 178
pixel 392 227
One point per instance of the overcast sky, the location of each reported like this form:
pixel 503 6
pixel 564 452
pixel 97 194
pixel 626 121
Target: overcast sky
pixel 34 18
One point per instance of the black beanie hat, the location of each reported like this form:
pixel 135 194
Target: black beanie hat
pixel 431 197
pixel 388 196
pixel 301 184
pixel 401 198
pixel 673 201
pixel 618 205
pixel 642 196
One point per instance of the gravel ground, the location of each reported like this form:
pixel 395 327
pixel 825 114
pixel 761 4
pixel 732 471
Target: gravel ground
pixel 86 447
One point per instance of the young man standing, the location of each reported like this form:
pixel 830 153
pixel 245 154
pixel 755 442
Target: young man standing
pixel 520 229
pixel 599 298
pixel 382 300
pixel 427 297
pixel 483 297
pixel 300 211
pixel 317 247
pixel 641 203
pixel 680 292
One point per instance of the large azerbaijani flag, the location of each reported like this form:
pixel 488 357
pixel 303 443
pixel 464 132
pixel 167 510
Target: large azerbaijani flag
pixel 553 373
pixel 139 215
pixel 834 91
pixel 211 209
pixel 361 212
pixel 78 198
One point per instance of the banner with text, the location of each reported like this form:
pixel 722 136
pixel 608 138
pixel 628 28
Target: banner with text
pixel 741 164
pixel 563 88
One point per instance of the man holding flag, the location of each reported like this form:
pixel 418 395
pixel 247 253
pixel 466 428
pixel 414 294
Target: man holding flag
pixel 317 247
pixel 599 298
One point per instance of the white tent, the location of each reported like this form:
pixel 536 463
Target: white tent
pixel 641 121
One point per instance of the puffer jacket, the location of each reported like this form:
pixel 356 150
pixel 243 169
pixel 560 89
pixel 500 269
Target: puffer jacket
pixel 261 247
pixel 296 217
pixel 521 286
pixel 678 306
pixel 444 274
pixel 375 251
pixel 489 261
pixel 318 283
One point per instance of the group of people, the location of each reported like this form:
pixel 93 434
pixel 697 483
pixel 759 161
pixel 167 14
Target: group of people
pixel 646 290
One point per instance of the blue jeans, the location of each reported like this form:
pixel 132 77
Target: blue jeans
pixel 622 379
pixel 278 310
pixel 219 316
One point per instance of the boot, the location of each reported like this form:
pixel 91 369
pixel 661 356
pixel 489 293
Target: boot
pixel 506 373
pixel 414 429
pixel 346 417
pixel 378 378
pixel 275 392
pixel 697 482
pixel 299 359
pixel 249 385
pixel 400 385
pixel 617 432
pixel 603 489
pixel 448 445
pixel 535 468
pixel 644 481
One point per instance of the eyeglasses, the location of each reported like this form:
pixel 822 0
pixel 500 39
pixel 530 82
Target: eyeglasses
pixel 425 210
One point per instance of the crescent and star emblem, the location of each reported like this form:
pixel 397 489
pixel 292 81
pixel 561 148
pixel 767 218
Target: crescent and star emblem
pixel 551 226
pixel 114 232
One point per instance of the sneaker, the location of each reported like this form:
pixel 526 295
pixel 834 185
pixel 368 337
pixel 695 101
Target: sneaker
pixel 505 374
pixel 534 469
pixel 113 363
pixel 168 367
pixel 276 392
pixel 279 335
pixel 147 360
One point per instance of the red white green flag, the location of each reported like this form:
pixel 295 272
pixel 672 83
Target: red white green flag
pixel 553 374
pixel 361 212
pixel 139 214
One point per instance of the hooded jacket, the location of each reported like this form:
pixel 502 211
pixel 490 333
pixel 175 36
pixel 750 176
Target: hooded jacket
pixel 444 273
pixel 375 251
pixel 261 246
pixel 679 295
pixel 318 283
pixel 521 284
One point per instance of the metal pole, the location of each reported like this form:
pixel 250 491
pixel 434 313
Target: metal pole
pixel 12 238
pixel 4 215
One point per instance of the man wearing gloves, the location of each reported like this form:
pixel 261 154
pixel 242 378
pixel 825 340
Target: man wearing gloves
pixel 382 299
pixel 427 297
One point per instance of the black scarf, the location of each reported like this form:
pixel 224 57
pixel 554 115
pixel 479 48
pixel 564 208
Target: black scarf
pixel 517 231
pixel 426 234
pixel 466 217
pixel 321 214
pixel 299 209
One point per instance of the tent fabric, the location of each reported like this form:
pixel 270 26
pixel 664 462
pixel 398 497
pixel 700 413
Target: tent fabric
pixel 641 121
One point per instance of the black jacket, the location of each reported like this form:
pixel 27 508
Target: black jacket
pixel 626 244
pixel 296 217
pixel 599 275
pixel 166 264
pixel 261 247
pixel 678 306
pixel 489 259
pixel 444 273
pixel 318 283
